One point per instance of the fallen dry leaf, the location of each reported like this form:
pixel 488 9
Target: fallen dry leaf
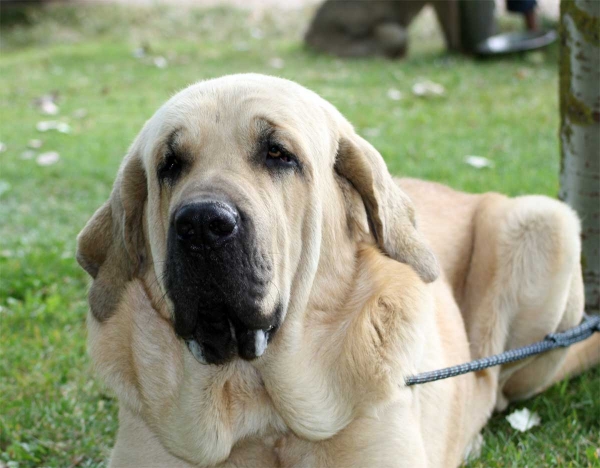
pixel 49 108
pixel 35 143
pixel 47 104
pixel 394 94
pixel 160 62
pixel 478 162
pixel 428 88
pixel 48 158
pixel 523 420
pixel 46 125
pixel 63 127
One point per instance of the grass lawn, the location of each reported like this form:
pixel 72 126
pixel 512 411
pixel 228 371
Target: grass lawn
pixel 53 412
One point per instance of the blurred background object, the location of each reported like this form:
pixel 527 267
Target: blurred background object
pixel 356 28
pixel 527 9
pixel 359 28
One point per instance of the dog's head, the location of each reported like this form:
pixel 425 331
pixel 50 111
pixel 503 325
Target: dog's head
pixel 226 194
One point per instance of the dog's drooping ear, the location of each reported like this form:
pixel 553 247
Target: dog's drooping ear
pixel 390 211
pixel 111 245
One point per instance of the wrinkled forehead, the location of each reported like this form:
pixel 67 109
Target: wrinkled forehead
pixel 238 108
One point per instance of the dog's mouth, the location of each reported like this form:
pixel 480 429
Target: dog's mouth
pixel 250 345
pixel 219 338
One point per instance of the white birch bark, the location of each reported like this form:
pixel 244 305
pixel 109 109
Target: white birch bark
pixel 580 130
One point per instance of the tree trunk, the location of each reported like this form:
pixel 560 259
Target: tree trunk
pixel 580 130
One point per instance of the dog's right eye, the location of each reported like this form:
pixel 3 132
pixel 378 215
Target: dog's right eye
pixel 170 168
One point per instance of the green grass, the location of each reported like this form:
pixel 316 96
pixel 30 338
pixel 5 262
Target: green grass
pixel 53 412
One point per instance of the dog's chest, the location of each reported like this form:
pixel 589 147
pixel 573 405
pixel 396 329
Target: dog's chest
pixel 245 398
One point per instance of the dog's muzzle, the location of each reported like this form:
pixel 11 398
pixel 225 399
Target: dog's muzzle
pixel 218 281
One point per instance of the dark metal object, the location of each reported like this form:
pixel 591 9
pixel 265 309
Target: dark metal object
pixel 589 325
pixel 477 23
pixel 515 42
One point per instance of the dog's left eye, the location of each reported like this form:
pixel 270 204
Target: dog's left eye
pixel 277 156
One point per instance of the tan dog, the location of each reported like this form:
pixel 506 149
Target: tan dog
pixel 260 291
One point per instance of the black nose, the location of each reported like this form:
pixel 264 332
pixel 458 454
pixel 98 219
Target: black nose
pixel 209 223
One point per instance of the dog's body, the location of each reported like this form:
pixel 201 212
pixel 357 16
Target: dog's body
pixel 346 321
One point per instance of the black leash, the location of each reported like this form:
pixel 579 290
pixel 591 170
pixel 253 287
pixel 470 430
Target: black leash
pixel 589 325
